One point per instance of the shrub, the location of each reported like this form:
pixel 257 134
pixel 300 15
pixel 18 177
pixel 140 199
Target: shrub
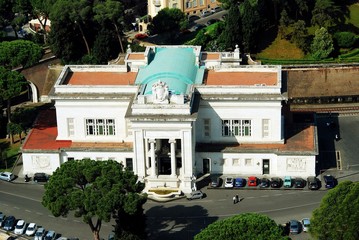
pixel 345 39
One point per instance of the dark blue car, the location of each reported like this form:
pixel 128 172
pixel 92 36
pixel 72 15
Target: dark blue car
pixel 330 181
pixel 239 182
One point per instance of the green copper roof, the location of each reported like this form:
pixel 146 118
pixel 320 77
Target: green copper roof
pixel 174 66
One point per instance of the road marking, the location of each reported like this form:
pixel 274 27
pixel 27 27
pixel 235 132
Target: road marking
pixel 279 194
pixel 221 200
pixel 16 207
pixel 51 216
pixel 39 213
pixel 26 210
pixel 76 221
pixel 63 218
pixel 265 196
pixel 16 195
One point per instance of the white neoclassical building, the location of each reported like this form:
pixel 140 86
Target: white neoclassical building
pixel 171 113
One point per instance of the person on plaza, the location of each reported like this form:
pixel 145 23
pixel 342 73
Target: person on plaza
pixel 237 198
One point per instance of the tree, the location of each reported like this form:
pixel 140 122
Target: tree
pixel 322 45
pixel 110 11
pixel 251 24
pixel 95 191
pixel 232 33
pixel 244 226
pixel 337 216
pixel 167 20
pixel 326 13
pixel 41 10
pixel 300 34
pixel 19 53
pixel 11 85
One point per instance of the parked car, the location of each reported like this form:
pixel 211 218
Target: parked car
pixel 216 9
pixel 313 183
pixel 305 224
pixel 239 182
pixel 40 233
pixel 228 183
pixel 276 182
pixel 265 183
pixel 2 219
pixel 330 181
pixel 31 229
pixel 50 235
pixel 211 21
pixel 294 227
pixel 140 36
pixel 195 195
pixel 9 223
pixel 20 227
pixel 299 182
pixel 215 182
pixel 252 181
pixel 7 176
pixel 287 182
pixel 40 177
pixel 205 13
pixel 198 27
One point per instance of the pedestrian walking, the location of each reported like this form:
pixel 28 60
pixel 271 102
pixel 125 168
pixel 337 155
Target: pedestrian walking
pixel 234 200
pixel 237 198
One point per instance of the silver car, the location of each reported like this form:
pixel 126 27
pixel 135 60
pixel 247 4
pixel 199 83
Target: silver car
pixel 195 195
pixel 7 176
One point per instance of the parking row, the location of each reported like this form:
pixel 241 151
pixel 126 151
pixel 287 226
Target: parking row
pixel 18 227
pixel 287 182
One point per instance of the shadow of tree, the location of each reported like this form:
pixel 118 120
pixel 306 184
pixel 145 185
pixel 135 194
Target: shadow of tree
pixel 176 222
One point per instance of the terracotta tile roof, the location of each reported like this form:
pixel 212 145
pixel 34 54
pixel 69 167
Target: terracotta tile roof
pixel 100 78
pixel 136 56
pixel 44 133
pixel 210 56
pixel 43 137
pixel 299 139
pixel 240 78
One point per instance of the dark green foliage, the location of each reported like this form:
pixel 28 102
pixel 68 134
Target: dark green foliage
pixel 232 33
pixel 243 227
pixel 95 189
pixel 19 53
pixel 167 20
pixel 345 39
pixel 24 117
pixel 322 45
pixel 251 25
pixel 326 13
pixel 299 35
pixel 106 46
pixel 338 214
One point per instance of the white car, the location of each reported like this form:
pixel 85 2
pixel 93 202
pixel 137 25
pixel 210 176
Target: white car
pixel 31 229
pixel 7 176
pixel 20 227
pixel 305 224
pixel 40 233
pixel 228 182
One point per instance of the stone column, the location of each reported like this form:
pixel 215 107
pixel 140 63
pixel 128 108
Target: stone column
pixel 173 157
pixel 153 162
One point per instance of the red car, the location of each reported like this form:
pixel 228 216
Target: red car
pixel 252 181
pixel 141 36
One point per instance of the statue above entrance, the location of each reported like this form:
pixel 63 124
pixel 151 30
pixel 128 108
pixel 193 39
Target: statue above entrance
pixel 160 92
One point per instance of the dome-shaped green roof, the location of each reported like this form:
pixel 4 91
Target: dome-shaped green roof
pixel 176 66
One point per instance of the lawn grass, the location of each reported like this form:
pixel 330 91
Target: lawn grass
pixel 281 49
pixel 354 14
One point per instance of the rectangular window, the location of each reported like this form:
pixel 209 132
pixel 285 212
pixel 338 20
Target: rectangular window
pixel 100 127
pixel 188 4
pixel 194 3
pixel 236 128
pixel 207 127
pixel 265 128
pixel 248 162
pixel 174 5
pixel 129 164
pixel 236 162
pixel 70 127
pixel 201 2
